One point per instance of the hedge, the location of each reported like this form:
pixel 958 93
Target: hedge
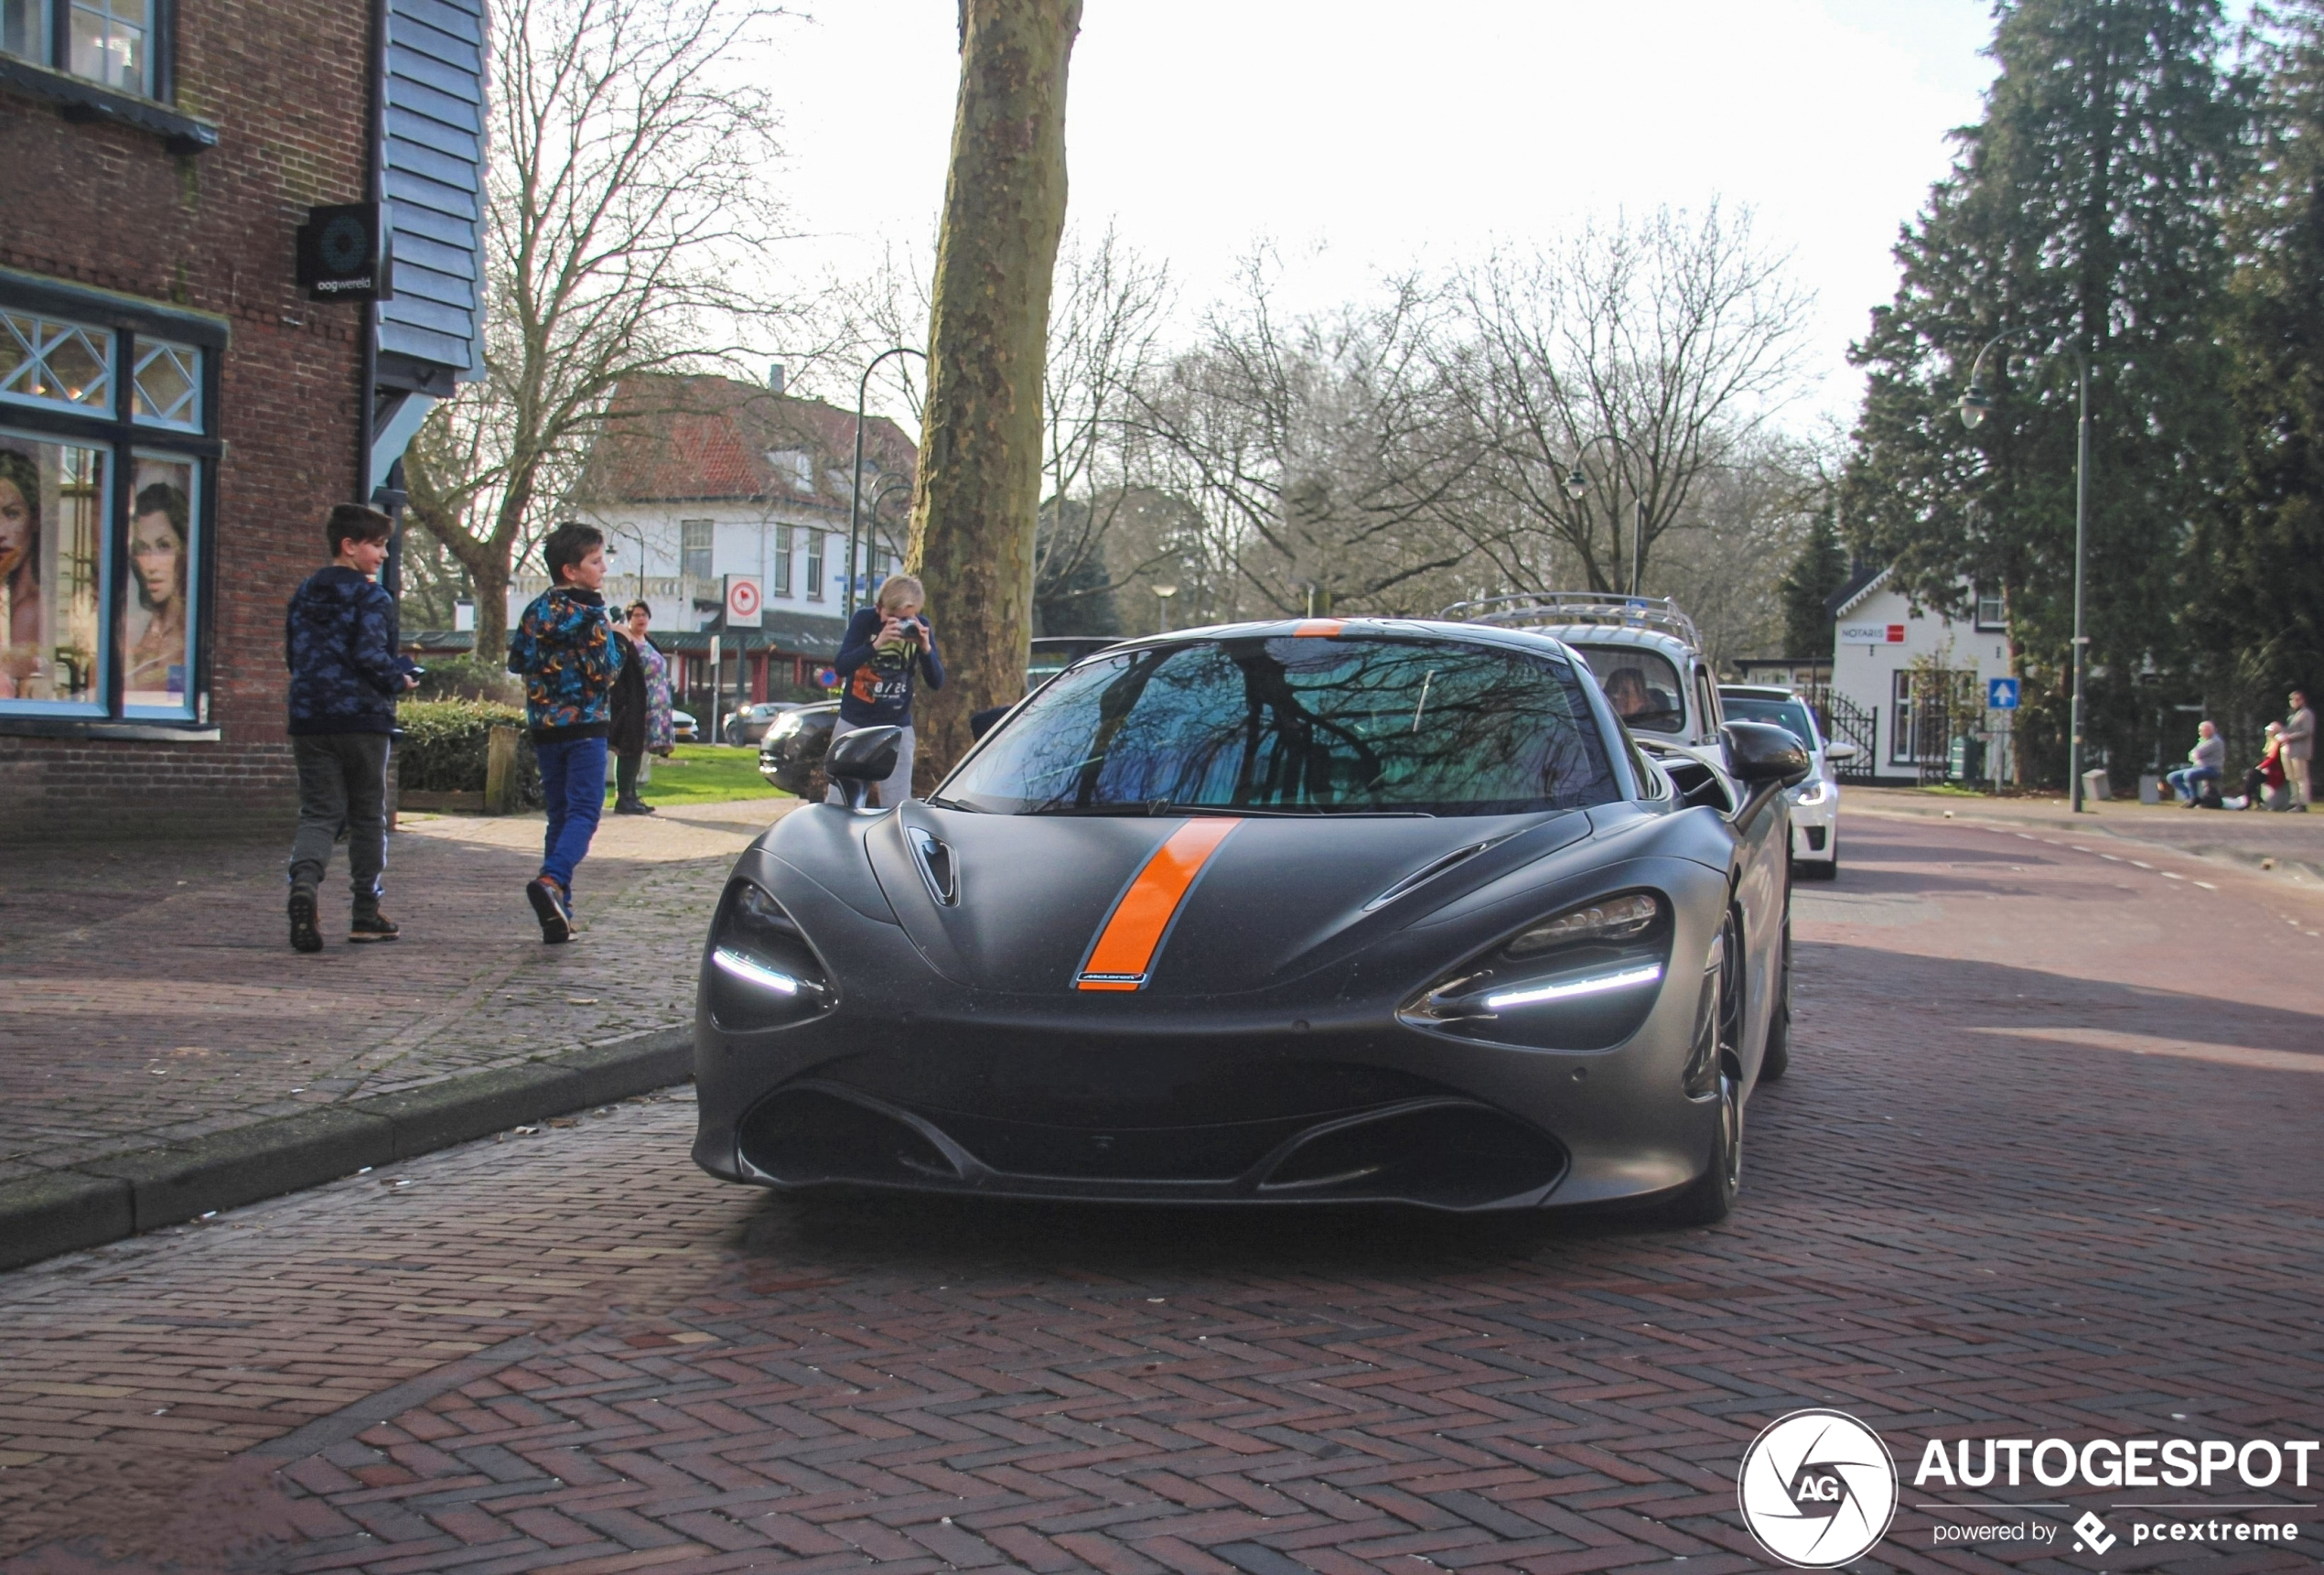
pixel 444 745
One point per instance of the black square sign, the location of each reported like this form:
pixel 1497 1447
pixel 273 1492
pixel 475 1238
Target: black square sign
pixel 342 254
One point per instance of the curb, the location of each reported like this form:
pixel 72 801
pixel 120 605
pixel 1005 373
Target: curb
pixel 2218 853
pixel 119 1195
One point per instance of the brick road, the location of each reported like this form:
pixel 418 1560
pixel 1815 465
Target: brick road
pixel 2045 1165
pixel 150 997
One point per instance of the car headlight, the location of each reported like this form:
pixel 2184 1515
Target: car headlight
pixel 1815 790
pixel 1582 979
pixel 783 727
pixel 763 972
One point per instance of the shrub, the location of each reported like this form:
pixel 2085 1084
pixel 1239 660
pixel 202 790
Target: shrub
pixel 446 743
pixel 468 678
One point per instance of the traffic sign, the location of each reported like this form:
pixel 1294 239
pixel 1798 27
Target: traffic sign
pixel 2001 694
pixel 742 601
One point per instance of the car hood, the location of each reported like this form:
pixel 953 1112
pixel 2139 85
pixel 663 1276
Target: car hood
pixel 1273 899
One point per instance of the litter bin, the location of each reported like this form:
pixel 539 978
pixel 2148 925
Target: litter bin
pixel 1966 763
pixel 2150 788
pixel 2093 786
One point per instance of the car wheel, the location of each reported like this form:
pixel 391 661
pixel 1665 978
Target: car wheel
pixel 1709 1197
pixel 1777 1060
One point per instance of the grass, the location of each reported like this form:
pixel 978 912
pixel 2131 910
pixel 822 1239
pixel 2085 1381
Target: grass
pixel 704 773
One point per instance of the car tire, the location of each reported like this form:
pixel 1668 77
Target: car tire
pixel 1710 1196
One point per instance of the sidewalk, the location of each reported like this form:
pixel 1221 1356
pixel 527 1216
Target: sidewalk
pixel 155 1025
pixel 2294 842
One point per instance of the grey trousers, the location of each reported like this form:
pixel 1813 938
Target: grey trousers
pixel 342 788
pixel 898 786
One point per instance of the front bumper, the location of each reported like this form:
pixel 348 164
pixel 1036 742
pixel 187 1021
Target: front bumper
pixel 1816 827
pixel 1302 1095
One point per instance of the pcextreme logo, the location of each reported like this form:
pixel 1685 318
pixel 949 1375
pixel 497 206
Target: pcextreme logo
pixel 1817 1489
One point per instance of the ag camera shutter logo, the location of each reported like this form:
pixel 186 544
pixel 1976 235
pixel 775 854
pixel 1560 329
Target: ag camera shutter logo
pixel 1817 1489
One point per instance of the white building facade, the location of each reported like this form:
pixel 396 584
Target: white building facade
pixel 1914 690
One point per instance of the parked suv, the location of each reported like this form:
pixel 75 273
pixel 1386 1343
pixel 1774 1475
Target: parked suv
pixel 1815 802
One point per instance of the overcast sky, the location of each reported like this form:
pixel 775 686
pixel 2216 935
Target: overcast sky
pixel 1362 137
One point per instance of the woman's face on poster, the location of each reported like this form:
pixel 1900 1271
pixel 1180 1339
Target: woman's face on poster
pixel 160 557
pixel 15 528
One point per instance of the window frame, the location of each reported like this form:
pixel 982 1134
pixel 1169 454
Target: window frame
pixel 124 440
pixel 785 543
pixel 709 550
pixel 818 545
pixel 1998 623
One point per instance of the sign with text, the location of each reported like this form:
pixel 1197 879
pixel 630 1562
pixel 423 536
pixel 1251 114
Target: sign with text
pixel 1872 634
pixel 342 254
pixel 744 605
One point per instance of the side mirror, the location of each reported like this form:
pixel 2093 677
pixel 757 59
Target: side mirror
pixel 981 722
pixel 1837 753
pixel 861 758
pixel 1761 756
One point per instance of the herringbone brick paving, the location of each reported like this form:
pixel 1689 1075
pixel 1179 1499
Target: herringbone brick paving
pixel 2044 1167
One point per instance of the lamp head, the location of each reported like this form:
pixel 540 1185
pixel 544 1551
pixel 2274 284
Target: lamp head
pixel 1166 590
pixel 1577 484
pixel 1973 405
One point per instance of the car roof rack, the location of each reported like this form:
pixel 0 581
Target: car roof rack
pixel 1550 608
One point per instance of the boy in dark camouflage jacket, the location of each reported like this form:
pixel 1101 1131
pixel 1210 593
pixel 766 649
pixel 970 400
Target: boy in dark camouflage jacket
pixel 340 640
pixel 569 653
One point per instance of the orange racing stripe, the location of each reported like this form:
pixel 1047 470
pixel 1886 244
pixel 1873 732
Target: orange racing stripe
pixel 1133 930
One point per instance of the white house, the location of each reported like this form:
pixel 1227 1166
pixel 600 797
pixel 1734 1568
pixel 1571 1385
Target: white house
pixel 1907 685
pixel 700 483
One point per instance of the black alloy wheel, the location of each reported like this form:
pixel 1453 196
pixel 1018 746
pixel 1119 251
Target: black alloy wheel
pixel 1710 1196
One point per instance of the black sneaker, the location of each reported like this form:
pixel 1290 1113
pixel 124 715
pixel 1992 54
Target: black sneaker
pixel 371 926
pixel 548 903
pixel 305 935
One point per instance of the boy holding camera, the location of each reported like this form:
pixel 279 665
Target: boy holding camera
pixel 886 645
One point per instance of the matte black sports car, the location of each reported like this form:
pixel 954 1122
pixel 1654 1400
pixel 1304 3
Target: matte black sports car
pixel 1310 911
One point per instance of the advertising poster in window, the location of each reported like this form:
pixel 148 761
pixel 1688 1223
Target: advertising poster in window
pixel 52 513
pixel 156 624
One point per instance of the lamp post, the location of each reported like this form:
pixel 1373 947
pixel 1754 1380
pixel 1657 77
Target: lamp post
pixel 1577 488
pixel 872 533
pixel 1975 404
pixel 1163 591
pixel 855 475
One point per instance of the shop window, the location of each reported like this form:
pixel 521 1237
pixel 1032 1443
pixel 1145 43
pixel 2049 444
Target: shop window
pixel 61 365
pixel 105 467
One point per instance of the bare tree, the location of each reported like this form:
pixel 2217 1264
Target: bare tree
pixel 1321 453
pixel 627 205
pixel 1645 355
pixel 1724 557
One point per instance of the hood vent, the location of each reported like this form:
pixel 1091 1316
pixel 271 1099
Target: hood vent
pixel 1427 872
pixel 936 866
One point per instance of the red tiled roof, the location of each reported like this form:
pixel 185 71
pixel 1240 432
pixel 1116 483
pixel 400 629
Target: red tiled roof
pixel 671 438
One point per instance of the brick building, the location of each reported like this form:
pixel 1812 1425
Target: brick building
pixel 176 416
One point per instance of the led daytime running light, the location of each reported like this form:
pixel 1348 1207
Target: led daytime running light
pixel 1597 985
pixel 752 971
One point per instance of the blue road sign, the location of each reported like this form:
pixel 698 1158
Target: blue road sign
pixel 2001 694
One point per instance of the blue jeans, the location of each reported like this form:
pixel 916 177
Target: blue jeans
pixel 2187 781
pixel 573 782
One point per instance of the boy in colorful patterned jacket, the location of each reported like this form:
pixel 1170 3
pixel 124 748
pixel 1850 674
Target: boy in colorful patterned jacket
pixel 569 656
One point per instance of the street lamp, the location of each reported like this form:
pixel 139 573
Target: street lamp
pixel 1577 488
pixel 1164 590
pixel 872 533
pixel 1974 405
pixel 855 476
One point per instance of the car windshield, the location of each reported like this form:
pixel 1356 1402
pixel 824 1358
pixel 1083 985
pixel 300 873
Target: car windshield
pixel 1642 686
pixel 1298 725
pixel 1786 713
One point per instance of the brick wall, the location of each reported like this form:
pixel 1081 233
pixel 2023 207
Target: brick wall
pixel 286 82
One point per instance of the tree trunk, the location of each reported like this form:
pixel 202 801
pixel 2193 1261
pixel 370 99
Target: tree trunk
pixel 488 582
pixel 976 506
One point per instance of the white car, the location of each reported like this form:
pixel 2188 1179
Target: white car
pixel 1815 802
